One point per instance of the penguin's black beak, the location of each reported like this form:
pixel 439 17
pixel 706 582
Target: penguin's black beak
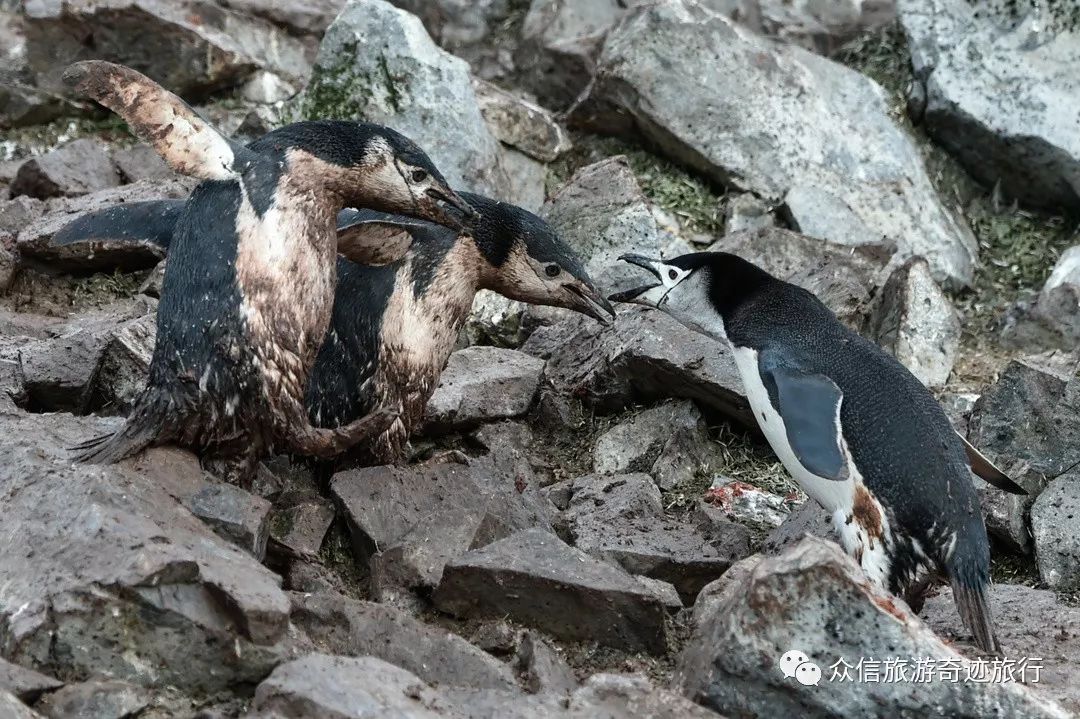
pixel 588 300
pixel 648 295
pixel 455 212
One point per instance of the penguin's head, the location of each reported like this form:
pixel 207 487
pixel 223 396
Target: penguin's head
pixel 699 289
pixel 375 167
pixel 526 260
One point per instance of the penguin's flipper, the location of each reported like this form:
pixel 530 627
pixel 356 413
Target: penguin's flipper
pixel 374 242
pixel 150 223
pixel 985 469
pixel 809 404
pixel 183 139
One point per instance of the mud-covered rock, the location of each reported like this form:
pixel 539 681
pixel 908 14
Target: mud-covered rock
pixel 1054 517
pixel 98 699
pixel 77 168
pixel 483 384
pixel 123 367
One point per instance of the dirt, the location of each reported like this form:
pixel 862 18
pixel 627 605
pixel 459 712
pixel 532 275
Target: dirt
pixel 63 295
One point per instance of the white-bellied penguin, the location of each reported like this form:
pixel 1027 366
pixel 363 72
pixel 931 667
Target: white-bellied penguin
pixel 394 326
pixel 249 286
pixel 861 435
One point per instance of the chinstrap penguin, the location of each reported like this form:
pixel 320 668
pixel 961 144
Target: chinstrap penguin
pixel 394 326
pixel 861 435
pixel 249 286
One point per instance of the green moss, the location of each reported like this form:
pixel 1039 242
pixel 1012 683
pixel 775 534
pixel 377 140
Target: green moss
pixel 22 142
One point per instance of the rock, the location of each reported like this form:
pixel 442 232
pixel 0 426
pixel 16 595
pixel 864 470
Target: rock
pixel 57 372
pixel 1058 306
pixel 12 708
pixel 533 578
pixel 456 23
pixel 746 213
pixel 815 599
pixel 299 524
pixel 482 384
pixel 116 556
pixel 20 102
pixel 76 168
pixel 299 17
pixel 189 47
pixel 671 442
pixel 602 213
pixel 141 162
pixel 1026 137
pixel 376 63
pixel 495 320
pixel 526 185
pixel 621 520
pixel 644 356
pixel 345 688
pixel 821 27
pixel 338 625
pixel 915 322
pixel 238 516
pixel 816 212
pixel 521 124
pixel 97 254
pixel 809 519
pixel 123 367
pixel 26 684
pixel 1033 625
pixel 151 286
pixel 1026 423
pixel 621 696
pixel 779 119
pixel 543 669
pixel 840 277
pixel 18 212
pixel 97 700
pixel 266 88
pixel 744 502
pixel 1057 544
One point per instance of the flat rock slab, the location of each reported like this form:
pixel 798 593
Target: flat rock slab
pixel 24 683
pixel 117 578
pixel 76 168
pixel 339 625
pixel 235 515
pixel 97 700
pixel 12 708
pixel 534 578
pixel 815 599
pixel 483 384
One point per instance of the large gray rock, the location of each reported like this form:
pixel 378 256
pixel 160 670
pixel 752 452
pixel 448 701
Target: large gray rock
pixel 20 102
pixel 457 23
pixel 378 64
pixel 235 515
pixel 1057 310
pixel 1034 626
pixel 76 168
pixel 338 625
pixel 189 47
pixel 1054 517
pixel 11 707
pixel 532 577
pixel 916 323
pixel 112 576
pixel 779 118
pixel 1002 92
pixel 521 124
pixel 298 16
pixel 123 366
pixel 814 598
pixel 483 384
pixel 25 683
pixel 98 699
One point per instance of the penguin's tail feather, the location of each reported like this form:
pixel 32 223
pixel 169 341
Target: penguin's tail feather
pixel 149 423
pixel 969 582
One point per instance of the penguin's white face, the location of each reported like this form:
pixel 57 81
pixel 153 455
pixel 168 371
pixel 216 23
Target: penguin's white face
pixel 682 292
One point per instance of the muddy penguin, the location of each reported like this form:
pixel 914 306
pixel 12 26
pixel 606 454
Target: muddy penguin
pixel 394 326
pixel 249 286
pixel 853 426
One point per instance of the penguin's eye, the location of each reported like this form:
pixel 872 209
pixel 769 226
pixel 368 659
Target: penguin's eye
pixel 419 176
pixel 672 274
pixel 552 270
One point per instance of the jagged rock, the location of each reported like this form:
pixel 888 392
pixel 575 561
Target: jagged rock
pixel 76 168
pixel 25 683
pixel 1033 625
pixel 1026 423
pixel 815 599
pixel 299 524
pixel 916 323
pixel 809 519
pixel 482 384
pixel 338 625
pixel 821 27
pixel 151 286
pixel 1057 543
pixel 20 102
pixel 746 213
pixel 779 118
pixel 534 578
pixel 497 637
pixel 191 48
pixel 1054 321
pixel 377 63
pixel 521 124
pixel 297 16
pixel 98 699
pixel 107 254
pixel 644 356
pixel 141 162
pixel 671 442
pixel 965 54
pixel 495 320
pixel 331 687
pixel 621 696
pixel 621 520
pixel 235 515
pixel 12 708
pixel 543 669
pixel 123 366
pixel 117 579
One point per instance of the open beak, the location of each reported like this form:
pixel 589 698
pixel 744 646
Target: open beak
pixel 649 295
pixel 453 211
pixel 588 300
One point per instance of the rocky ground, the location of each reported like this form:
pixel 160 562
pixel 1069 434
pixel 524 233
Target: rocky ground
pixel 587 526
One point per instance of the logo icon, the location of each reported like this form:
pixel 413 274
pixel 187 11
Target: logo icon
pixel 796 664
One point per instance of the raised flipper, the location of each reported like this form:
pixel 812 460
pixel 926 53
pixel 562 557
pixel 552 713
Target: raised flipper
pixel 985 469
pixel 183 139
pixel 809 404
